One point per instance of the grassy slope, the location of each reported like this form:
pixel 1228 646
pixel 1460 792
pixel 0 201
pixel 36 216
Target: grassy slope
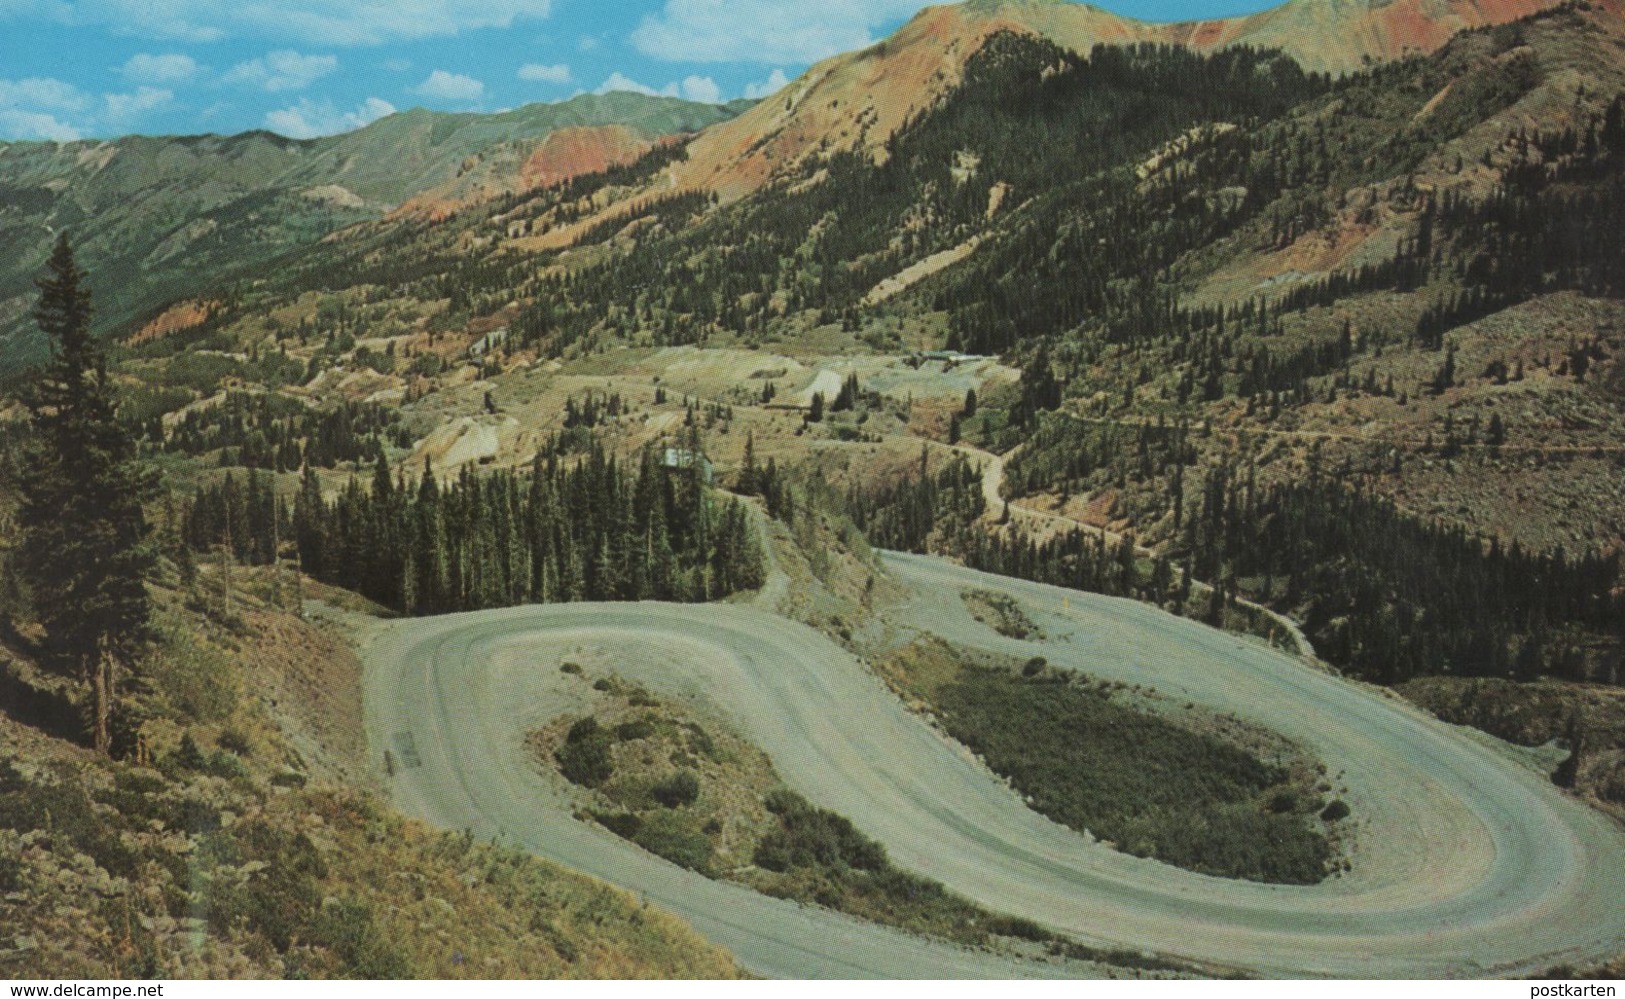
pixel 238 859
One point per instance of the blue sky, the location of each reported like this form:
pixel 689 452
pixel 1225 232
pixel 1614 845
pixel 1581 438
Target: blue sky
pixel 97 68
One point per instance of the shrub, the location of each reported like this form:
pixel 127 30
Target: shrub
pixel 187 755
pixel 11 873
pixel 1283 801
pixel 227 765
pixel 571 668
pixel 582 730
pixel 197 680
pixel 1338 809
pixel 66 813
pixel 682 788
pixel 348 927
pixel 1034 666
pixel 634 730
pixel 585 758
pixel 668 835
pixel 814 837
pixel 234 740
pixel 700 740
pixel 282 900
pixel 1021 929
pixel 1136 779
pixel 622 824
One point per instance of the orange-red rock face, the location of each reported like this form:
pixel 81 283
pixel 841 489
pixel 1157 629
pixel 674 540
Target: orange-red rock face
pixel 571 152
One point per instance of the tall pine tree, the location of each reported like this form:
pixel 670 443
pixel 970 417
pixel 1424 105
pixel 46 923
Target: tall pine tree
pixel 85 549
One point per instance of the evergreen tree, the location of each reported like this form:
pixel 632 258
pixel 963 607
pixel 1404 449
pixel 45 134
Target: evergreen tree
pixel 86 549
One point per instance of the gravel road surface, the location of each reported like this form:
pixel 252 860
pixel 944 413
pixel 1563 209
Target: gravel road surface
pixel 1464 862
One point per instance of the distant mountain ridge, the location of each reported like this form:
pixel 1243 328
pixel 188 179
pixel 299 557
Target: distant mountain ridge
pixel 859 99
pixel 157 218
pixel 221 204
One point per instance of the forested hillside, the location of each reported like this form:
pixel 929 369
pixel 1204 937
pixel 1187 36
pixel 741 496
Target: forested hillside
pixel 165 218
pixel 1265 321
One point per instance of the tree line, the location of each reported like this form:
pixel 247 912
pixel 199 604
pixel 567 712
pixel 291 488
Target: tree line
pixel 593 529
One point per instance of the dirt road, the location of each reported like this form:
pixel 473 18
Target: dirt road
pixel 1465 863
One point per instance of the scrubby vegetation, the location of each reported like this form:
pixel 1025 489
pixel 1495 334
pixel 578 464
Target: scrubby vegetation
pixel 1088 756
pixel 1001 613
pixel 703 798
pixel 127 872
pixel 212 848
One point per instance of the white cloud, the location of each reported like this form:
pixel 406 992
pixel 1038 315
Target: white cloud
pixel 16 124
pixel 43 108
pixel 169 68
pixel 282 70
pixel 445 86
pixel 763 31
pixel 775 82
pixel 619 82
pixel 122 108
pixel 317 22
pixel 535 72
pixel 397 65
pixel 309 119
pixel 702 89
pixel 42 93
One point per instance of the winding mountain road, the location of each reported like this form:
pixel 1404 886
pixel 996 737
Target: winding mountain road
pixel 1465 863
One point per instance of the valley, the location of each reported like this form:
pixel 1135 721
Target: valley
pixel 1042 495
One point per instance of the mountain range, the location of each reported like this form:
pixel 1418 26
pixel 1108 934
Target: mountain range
pixel 159 217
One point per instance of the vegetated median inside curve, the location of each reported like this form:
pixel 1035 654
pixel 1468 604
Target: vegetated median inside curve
pixel 686 788
pixel 1136 770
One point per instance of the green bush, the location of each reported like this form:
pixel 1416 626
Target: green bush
pixel 1338 809
pixel 197 680
pixel 282 900
pixel 228 765
pixel 582 730
pixel 585 758
pixel 622 824
pixel 669 835
pixel 632 731
pixel 810 837
pixel 233 740
pixel 11 873
pixel 348 927
pixel 66 813
pixel 1021 929
pixel 1133 778
pixel 187 755
pixel 682 788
